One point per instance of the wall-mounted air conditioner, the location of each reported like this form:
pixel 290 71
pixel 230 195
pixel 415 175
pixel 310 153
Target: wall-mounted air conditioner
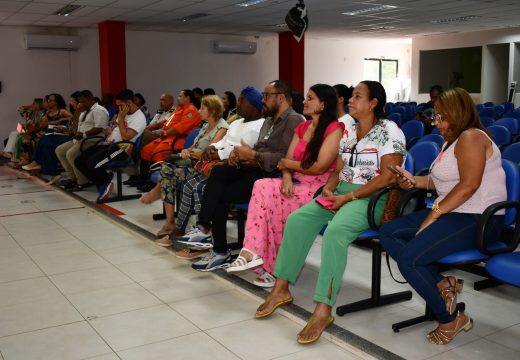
pixel 234 47
pixel 57 42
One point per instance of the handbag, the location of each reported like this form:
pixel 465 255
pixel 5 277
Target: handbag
pixel 205 167
pixel 390 209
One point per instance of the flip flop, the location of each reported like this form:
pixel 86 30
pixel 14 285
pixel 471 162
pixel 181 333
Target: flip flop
pixel 276 306
pixel 312 321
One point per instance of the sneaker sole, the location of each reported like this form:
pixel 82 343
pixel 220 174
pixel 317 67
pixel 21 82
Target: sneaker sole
pixel 193 245
pixel 247 266
pixel 223 266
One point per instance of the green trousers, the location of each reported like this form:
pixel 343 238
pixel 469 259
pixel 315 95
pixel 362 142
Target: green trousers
pixel 304 225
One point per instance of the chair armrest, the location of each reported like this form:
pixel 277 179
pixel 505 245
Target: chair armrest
pixel 99 137
pixel 483 223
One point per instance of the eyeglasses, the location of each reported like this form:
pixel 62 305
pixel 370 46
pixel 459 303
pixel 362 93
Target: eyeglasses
pixel 265 95
pixel 436 118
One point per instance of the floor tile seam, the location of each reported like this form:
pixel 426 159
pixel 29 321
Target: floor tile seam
pixel 40 212
pixel 150 236
pixel 450 349
pixel 160 341
pixel 499 343
pixel 26 192
pixel 197 297
pixel 41 329
pixel 223 345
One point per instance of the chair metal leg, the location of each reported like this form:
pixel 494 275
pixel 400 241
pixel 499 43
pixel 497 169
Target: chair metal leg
pixel 428 316
pixel 375 299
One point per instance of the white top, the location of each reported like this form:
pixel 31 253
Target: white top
pixel 347 120
pixel 135 121
pixel 238 130
pixel 384 138
pixel 95 117
pixel 162 117
pixel 445 175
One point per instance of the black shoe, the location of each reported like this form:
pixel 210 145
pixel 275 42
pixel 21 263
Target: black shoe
pixel 67 183
pixel 131 179
pixel 70 185
pixel 81 187
pixel 146 187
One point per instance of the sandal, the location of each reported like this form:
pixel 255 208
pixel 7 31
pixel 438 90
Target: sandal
pixel 328 320
pixel 443 336
pixel 266 280
pixel 241 263
pixel 449 293
pixel 259 315
pixel 165 230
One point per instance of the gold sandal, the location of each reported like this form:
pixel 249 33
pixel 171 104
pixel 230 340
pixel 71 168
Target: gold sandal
pixel 449 293
pixel 442 336
pixel 328 319
pixel 276 306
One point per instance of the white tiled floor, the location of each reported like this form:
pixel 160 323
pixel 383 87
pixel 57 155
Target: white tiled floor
pixel 75 285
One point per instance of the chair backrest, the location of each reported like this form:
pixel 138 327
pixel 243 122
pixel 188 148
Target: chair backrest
pixel 487 111
pixel 514 114
pixel 408 163
pixel 499 111
pixel 489 104
pixel 513 188
pixel 436 138
pixel 424 153
pixel 191 138
pixel 510 123
pixel 401 110
pixel 479 107
pixel 512 153
pixel 487 121
pixel 395 117
pixel 500 134
pixel 413 129
pixel 508 106
pixel 435 131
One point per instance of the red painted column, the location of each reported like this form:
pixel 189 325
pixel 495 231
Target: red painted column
pixel 291 56
pixel 112 56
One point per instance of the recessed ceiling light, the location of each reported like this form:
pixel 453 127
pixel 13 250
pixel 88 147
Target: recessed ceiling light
pixel 370 10
pixel 250 3
pixel 456 19
pixel 67 10
pixel 192 17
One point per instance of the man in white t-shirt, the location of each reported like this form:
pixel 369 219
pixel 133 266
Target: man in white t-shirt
pixel 93 118
pixel 131 123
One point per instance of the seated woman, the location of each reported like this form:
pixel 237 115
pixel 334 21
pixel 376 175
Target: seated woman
pixel 310 159
pixel 176 171
pixel 32 115
pixel 468 177
pixel 246 130
pixel 366 149
pixel 184 120
pixel 44 157
pixel 230 107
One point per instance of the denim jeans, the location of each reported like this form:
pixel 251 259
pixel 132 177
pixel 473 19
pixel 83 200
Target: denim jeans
pixel 416 255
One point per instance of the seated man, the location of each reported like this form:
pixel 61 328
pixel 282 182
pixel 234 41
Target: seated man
pixel 233 183
pixel 131 123
pixel 428 109
pixel 172 135
pixel 93 118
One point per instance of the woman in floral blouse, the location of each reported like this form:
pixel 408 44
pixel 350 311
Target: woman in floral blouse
pixel 366 149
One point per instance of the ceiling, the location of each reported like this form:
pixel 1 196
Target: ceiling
pixel 407 18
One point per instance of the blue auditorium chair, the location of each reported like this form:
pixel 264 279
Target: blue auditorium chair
pixel 487 111
pixel 512 153
pixel 436 138
pixel 413 130
pixel 487 121
pixel 469 260
pixel 510 123
pixel 505 268
pixel 500 135
pixel 424 153
pixel 395 117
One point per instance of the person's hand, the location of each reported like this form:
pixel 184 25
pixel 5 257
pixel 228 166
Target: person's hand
pixel 78 136
pixel 244 152
pixel 282 164
pixel 185 154
pixel 162 133
pixel 206 155
pixel 406 181
pixel 60 129
pixel 338 202
pixel 195 155
pixel 233 158
pixel 107 131
pixel 327 193
pixel 287 188
pixel 123 110
pixel 430 219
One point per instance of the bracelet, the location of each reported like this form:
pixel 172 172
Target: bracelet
pixel 353 196
pixel 436 209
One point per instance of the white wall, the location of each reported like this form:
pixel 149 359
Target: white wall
pixel 340 60
pixel 481 38
pixel 26 74
pixel 169 62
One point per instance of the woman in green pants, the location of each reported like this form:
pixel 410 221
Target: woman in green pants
pixel 366 149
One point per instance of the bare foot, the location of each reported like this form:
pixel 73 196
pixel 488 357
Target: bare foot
pixel 151 196
pixel 319 321
pixel 278 297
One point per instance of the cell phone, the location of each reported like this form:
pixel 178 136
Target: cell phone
pixel 324 203
pixel 395 171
